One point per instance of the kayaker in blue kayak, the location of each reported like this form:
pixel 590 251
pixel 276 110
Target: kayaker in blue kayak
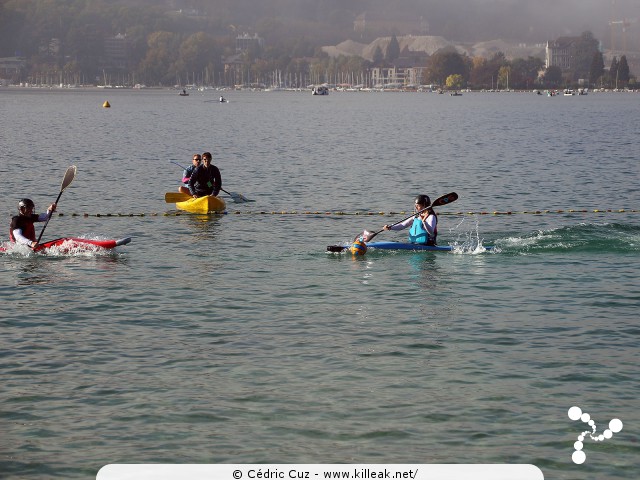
pixel 187 172
pixel 424 225
pixel 22 229
pixel 205 179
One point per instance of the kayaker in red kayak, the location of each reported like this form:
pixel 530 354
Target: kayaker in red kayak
pixel 22 230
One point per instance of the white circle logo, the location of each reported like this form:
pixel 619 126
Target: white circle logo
pixel 575 413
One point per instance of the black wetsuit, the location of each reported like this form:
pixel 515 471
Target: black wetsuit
pixel 205 181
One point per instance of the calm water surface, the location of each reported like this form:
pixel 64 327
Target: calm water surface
pixel 238 339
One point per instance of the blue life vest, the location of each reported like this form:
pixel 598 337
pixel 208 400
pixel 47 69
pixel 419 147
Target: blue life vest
pixel 186 174
pixel 419 234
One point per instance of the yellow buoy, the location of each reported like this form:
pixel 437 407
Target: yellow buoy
pixel 106 104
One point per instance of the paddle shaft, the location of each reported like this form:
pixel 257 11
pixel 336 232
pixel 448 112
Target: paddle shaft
pixel 176 163
pixel 369 237
pixel 68 178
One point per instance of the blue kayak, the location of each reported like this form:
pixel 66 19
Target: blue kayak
pixel 408 246
pixel 415 247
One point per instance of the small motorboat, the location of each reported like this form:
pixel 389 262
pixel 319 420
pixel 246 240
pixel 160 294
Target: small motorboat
pixel 320 90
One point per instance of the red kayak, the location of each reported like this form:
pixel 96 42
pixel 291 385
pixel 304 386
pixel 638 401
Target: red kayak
pixel 71 243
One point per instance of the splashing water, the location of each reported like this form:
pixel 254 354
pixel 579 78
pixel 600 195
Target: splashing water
pixel 469 241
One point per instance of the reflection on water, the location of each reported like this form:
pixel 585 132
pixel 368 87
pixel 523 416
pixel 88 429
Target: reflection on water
pixel 427 270
pixel 37 269
pixel 202 227
pixel 32 272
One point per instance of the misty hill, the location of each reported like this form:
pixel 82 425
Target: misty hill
pixel 431 44
pixel 332 21
pixel 161 41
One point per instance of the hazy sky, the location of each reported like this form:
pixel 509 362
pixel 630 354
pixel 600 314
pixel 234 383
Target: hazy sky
pixel 534 19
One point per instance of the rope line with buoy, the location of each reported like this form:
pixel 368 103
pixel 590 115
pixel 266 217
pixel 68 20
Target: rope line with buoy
pixel 342 213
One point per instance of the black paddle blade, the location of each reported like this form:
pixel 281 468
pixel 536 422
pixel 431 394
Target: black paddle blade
pixel 336 248
pixel 445 199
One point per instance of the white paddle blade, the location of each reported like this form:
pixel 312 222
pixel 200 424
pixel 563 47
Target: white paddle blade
pixel 68 177
pixel 365 235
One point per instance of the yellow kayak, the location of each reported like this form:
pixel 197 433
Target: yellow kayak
pixel 208 204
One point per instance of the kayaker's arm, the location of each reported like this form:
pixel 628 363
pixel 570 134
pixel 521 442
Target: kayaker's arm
pixel 43 217
pixel 400 226
pixel 217 184
pixel 21 239
pixel 430 224
pixel 192 181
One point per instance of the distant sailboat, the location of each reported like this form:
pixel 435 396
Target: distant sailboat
pixel 105 84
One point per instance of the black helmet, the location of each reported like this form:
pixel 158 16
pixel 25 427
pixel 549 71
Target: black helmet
pixel 25 203
pixel 423 200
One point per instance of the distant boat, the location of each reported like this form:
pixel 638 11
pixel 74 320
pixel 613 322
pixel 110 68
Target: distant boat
pixel 184 93
pixel 105 84
pixel 455 94
pixel 320 90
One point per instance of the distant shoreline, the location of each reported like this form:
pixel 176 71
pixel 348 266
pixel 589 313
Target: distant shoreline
pixel 337 90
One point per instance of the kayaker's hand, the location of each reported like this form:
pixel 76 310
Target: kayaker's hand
pixel 33 245
pixel 195 196
pixel 386 227
pixel 52 208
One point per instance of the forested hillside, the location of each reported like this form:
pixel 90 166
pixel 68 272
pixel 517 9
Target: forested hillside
pixel 168 41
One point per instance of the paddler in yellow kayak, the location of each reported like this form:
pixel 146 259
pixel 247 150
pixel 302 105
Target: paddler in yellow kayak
pixel 186 174
pixel 205 179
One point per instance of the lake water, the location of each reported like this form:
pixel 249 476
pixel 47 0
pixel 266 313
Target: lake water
pixel 238 339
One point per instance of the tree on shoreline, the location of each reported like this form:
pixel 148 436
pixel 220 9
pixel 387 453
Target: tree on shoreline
pixel 553 76
pixel 443 64
pixel 623 70
pixel 393 50
pixel 582 53
pixel 596 72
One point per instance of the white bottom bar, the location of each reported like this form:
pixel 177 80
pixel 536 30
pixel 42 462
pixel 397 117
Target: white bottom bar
pixel 319 472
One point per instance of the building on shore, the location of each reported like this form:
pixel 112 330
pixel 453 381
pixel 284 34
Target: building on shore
pixel 560 53
pixel 11 69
